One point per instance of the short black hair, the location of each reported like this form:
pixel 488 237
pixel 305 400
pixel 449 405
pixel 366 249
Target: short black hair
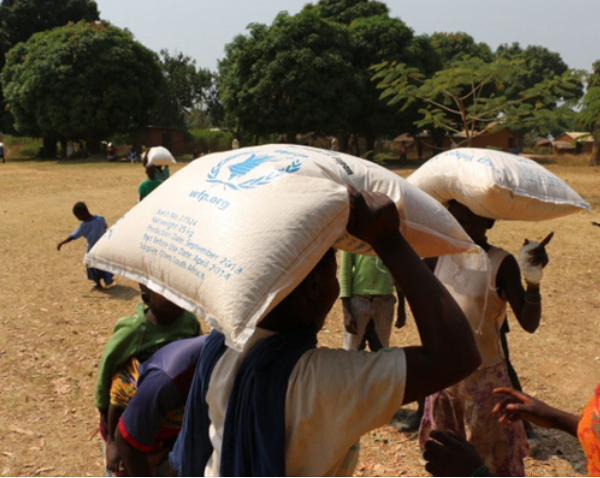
pixel 80 209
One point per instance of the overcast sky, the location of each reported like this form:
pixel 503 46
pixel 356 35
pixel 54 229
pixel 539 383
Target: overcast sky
pixel 202 28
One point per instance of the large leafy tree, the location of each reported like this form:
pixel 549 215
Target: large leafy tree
pixel 85 80
pixel 186 88
pixel 310 72
pixel 377 38
pixel 589 117
pixel 539 65
pixel 291 77
pixel 19 19
pixel 457 98
pixel 458 46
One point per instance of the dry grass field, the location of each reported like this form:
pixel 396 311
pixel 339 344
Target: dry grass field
pixel 53 325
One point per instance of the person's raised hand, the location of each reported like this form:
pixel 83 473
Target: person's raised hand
pixel 533 258
pixel 449 454
pixel 373 216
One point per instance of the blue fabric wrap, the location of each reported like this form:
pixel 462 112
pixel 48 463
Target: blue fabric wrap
pixel 193 448
pixel 254 432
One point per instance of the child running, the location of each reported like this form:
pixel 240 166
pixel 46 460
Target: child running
pixel 92 227
pixel 157 324
pixel 466 407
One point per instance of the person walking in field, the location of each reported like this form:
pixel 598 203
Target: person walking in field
pixel 150 184
pixel 285 407
pixel 2 152
pixel 92 227
pixel 466 408
pixel 368 302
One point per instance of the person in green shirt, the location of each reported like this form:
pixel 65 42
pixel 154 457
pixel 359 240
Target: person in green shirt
pixel 150 184
pixel 156 323
pixel 367 293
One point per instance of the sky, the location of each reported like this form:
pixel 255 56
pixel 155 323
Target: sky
pixel 202 28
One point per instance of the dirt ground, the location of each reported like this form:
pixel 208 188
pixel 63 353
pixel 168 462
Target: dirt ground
pixel 53 325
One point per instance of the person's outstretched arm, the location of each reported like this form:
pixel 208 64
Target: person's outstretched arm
pixel 448 352
pixel 62 243
pixel 520 406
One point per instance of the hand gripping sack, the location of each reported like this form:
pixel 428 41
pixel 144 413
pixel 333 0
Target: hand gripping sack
pixel 497 185
pixel 160 156
pixel 231 234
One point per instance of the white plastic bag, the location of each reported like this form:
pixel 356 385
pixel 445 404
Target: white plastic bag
pixel 235 232
pixel 497 185
pixel 160 156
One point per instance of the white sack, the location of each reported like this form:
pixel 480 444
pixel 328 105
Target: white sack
pixel 160 156
pixel 233 233
pixel 497 185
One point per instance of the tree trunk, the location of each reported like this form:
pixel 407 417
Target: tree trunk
pixel 92 142
pixel 49 149
pixel 343 141
pixel 371 143
pixel 63 148
pixel 595 159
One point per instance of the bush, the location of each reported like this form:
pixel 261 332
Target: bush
pixel 21 146
pixel 205 140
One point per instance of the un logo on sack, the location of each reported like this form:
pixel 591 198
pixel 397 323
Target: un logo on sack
pixel 234 175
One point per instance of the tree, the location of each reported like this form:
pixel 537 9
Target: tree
pixel 456 99
pixel 347 11
pixel 589 117
pixel 458 46
pixel 376 37
pixel 19 19
pixel 540 64
pixel 291 77
pixel 310 72
pixel 186 88
pixel 85 80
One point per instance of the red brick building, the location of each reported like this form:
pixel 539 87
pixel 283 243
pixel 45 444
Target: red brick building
pixel 172 139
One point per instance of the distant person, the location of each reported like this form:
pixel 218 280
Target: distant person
pixel 368 302
pixel 235 144
pixel 92 227
pixel 150 184
pixel 112 154
pixel 2 152
pixel 403 152
pixel 132 155
pixel 161 173
pixel 156 323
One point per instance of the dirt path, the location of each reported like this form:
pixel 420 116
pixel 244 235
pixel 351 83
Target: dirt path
pixel 53 326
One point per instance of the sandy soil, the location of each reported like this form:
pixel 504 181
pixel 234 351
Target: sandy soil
pixel 53 325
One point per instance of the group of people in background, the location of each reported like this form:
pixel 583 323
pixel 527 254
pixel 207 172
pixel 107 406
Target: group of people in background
pixel 471 409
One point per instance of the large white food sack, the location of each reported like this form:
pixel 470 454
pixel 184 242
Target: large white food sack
pixel 497 185
pixel 233 233
pixel 160 156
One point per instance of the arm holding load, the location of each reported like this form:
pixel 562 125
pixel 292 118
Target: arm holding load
pixel 448 352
